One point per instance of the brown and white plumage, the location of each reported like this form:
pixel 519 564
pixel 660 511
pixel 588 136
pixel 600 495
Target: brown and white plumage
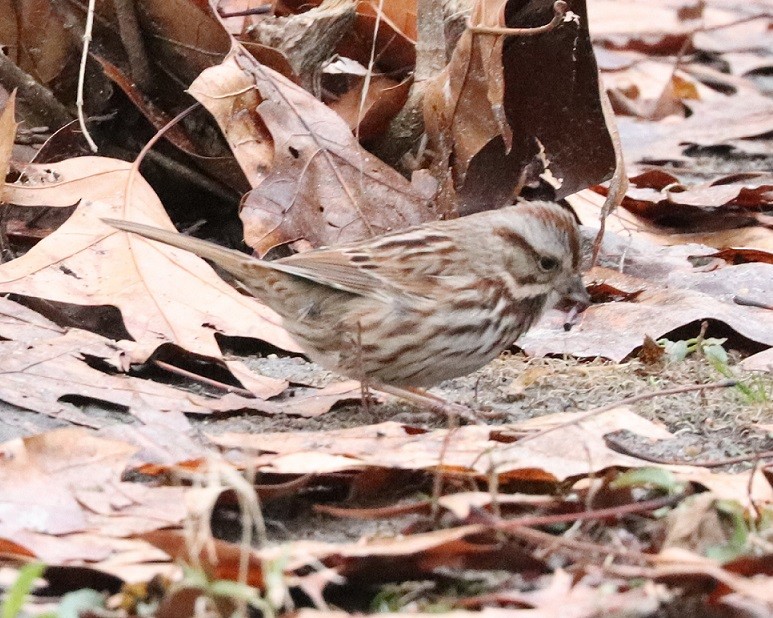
pixel 416 306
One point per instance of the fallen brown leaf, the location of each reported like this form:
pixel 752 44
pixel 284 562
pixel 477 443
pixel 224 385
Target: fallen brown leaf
pixel 729 121
pixel 42 374
pixel 655 312
pixel 470 450
pixel 165 295
pixel 499 105
pixel 312 180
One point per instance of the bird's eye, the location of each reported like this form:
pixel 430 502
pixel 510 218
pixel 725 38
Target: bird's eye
pixel 548 263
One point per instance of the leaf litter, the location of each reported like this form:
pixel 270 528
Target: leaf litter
pixel 434 508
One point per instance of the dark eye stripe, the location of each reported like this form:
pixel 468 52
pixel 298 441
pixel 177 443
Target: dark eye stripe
pixel 514 238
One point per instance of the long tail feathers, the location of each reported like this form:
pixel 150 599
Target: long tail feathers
pixel 238 264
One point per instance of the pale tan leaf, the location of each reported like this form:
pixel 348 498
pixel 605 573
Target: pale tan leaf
pixel 38 375
pixel 164 294
pixel 7 136
pixel 556 456
pixel 313 180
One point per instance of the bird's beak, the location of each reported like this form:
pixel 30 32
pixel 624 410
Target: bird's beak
pixel 575 292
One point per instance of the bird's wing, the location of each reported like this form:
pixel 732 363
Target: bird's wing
pixel 335 268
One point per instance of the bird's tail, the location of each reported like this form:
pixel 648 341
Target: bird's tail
pixel 241 266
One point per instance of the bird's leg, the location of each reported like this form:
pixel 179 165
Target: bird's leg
pixel 433 403
pixel 365 395
pixel 364 380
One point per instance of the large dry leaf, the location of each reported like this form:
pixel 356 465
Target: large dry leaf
pixel 660 208
pixel 68 481
pixel 384 98
pixel 314 181
pixel 18 323
pixel 504 100
pixel 573 448
pixel 376 558
pixel 644 235
pixel 752 35
pixel 62 501
pixel 42 374
pixel 469 450
pixel 34 33
pixel 614 330
pixel 43 366
pixel 653 90
pixel 37 476
pixel 752 190
pixel 165 295
pixel 728 121
pixel 656 26
pixel 185 36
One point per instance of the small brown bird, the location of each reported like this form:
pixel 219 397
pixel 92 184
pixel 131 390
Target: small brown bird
pixel 418 306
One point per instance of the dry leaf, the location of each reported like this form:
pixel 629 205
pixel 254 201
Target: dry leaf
pixel 656 312
pixel 165 295
pixel 469 450
pixel 38 475
pixel 7 135
pixel 313 181
pixel 502 101
pixel 726 121
pixel 42 374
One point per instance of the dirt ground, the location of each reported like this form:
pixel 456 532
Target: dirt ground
pixel 707 426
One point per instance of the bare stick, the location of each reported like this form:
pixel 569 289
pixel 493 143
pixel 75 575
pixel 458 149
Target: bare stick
pixel 607 513
pixel 47 108
pixel 406 128
pixel 618 185
pixel 131 37
pixel 198 378
pixel 559 11
pixel 708 463
pixel 82 75
pixel 135 169
pixel 263 9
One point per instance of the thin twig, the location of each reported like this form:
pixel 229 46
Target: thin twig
pixel 607 513
pixel 755 510
pixel 146 148
pixel 712 463
pixel 625 402
pixel 263 9
pixel 369 73
pixel 133 43
pixel 618 185
pixel 559 11
pixel 204 380
pixel 701 338
pixel 82 75
pixel 47 108
pixel 583 548
pixel 438 475
pixel 730 24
